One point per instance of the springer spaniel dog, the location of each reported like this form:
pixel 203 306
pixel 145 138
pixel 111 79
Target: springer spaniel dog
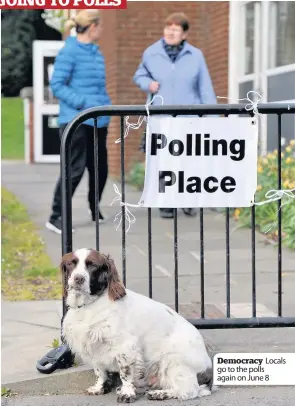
pixel 116 330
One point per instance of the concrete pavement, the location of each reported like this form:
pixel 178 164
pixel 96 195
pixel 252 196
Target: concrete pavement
pixel 29 328
pixel 270 396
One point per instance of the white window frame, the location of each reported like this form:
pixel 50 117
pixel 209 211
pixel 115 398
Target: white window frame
pixel 42 49
pixel 236 54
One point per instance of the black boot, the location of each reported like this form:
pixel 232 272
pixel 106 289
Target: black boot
pixel 190 212
pixel 166 213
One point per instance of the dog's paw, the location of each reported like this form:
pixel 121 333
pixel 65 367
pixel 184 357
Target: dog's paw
pixel 157 395
pixel 204 391
pixel 124 398
pixel 95 390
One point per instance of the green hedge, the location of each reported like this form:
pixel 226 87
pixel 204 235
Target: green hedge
pixel 12 128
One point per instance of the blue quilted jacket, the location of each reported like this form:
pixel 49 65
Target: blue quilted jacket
pixel 79 81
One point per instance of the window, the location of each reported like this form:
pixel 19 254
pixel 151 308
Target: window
pixel 281 33
pixel 249 39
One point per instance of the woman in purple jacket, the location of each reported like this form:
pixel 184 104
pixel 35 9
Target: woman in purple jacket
pixel 177 71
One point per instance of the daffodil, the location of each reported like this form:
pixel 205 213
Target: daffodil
pixel 288 149
pixel 259 169
pixel 272 156
pixel 289 160
pixel 237 213
pixel 259 187
pixel 292 143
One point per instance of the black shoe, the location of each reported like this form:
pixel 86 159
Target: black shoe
pixel 55 226
pixel 166 213
pixel 101 218
pixel 190 212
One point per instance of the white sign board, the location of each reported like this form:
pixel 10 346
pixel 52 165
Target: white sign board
pixel 200 162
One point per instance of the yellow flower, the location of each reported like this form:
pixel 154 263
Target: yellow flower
pixel 259 187
pixel 259 169
pixel 275 152
pixel 288 149
pixel 237 213
pixel 286 184
pixel 264 160
pixel 271 156
pixel 292 143
pixel 282 154
pixel 289 160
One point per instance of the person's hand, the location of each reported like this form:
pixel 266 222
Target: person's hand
pixel 154 87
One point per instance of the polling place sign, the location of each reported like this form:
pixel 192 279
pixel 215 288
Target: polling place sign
pixel 200 162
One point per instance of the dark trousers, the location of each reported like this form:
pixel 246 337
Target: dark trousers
pixel 82 156
pixel 161 181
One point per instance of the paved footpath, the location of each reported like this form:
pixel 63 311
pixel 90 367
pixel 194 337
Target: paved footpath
pixel 33 185
pixel 230 397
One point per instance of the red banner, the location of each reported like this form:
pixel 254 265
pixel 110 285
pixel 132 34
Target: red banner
pixel 63 4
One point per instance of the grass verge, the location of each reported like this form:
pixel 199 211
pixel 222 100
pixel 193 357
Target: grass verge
pixel 12 131
pixel 27 271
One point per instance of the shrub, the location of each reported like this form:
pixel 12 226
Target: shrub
pixel 136 175
pixel 18 34
pixel 267 215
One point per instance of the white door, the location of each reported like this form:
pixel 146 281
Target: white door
pixel 262 58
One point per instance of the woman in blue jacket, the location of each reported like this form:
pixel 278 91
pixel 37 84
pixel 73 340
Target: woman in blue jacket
pixel 79 82
pixel 177 71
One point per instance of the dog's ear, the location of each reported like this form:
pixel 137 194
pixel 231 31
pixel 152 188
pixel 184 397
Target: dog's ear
pixel 66 267
pixel 116 289
pixel 99 276
pixel 64 273
pixel 104 276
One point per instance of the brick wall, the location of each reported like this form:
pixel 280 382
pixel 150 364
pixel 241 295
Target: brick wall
pixel 127 33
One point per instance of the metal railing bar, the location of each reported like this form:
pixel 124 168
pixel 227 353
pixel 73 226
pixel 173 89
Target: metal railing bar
pixel 96 181
pixel 258 322
pixel 122 110
pixel 279 216
pixel 123 201
pixel 202 263
pixel 253 245
pixel 175 247
pixel 150 263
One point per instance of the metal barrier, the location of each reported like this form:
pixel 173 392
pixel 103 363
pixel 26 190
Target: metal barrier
pixel 200 110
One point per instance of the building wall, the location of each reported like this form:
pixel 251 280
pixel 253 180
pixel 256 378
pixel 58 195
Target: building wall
pixel 127 33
